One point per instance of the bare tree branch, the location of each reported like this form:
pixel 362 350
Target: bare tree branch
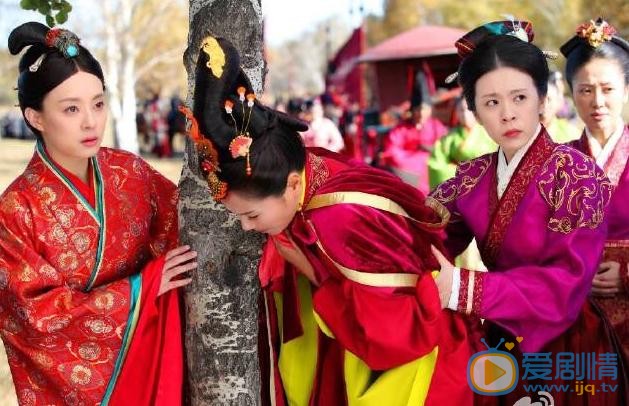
pixel 173 53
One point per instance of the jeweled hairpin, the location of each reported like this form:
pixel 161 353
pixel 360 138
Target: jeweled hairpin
pixel 208 157
pixel 596 32
pixel 240 146
pixel 65 41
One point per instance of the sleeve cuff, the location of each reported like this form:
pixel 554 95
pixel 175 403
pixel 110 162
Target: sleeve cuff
pixel 470 292
pixel 454 292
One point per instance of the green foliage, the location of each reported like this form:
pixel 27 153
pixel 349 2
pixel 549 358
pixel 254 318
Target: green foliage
pixel 55 11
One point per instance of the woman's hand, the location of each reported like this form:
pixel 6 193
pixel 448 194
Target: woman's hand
pixel 608 279
pixel 444 280
pixel 177 263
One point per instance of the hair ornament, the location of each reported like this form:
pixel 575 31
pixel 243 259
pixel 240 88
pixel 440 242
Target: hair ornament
pixel 596 32
pixel 522 30
pixel 240 145
pixel 208 157
pixel 35 66
pixel 65 41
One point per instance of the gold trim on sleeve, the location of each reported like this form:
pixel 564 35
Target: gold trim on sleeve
pixel 377 202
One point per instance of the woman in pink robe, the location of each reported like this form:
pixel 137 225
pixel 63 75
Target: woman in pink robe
pixel 538 212
pixel 350 306
pixel 598 76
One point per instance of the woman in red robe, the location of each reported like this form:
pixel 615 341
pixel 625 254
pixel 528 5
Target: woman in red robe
pixel 351 309
pixel 597 70
pixel 88 237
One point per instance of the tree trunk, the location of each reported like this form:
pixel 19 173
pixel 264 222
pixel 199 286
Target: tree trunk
pixel 120 73
pixel 222 300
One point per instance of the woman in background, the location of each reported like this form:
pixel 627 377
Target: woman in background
pixel 597 71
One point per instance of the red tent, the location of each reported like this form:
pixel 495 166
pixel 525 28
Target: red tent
pixel 397 59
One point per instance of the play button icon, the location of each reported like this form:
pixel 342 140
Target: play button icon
pixel 492 372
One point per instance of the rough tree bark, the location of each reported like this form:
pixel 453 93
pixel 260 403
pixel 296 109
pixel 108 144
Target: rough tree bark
pixel 222 300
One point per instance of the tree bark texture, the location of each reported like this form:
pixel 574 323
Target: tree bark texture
pixel 222 301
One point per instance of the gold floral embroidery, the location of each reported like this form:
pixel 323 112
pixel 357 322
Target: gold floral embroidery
pixel 575 189
pixel 81 242
pixel 81 375
pixel 68 261
pixel 65 216
pixel 89 351
pixel 104 301
pixel 53 323
pixel 47 195
pixel 57 236
pixel 98 326
pixel 10 204
pixel 26 274
pixel 27 397
pixel 49 272
pixel 468 174
pixel 42 360
pixel 319 173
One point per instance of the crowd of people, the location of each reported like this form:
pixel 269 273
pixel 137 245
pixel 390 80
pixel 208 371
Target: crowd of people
pixel 365 300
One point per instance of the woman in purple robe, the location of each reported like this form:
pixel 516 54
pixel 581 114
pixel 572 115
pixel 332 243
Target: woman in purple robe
pixel 537 210
pixel 597 71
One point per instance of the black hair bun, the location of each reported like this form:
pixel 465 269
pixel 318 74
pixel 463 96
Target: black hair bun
pixel 292 123
pixel 31 33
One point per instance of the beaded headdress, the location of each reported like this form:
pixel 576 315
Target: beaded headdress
pixel 593 34
pixel 522 30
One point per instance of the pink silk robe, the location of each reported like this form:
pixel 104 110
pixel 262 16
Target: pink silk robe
pixel 385 327
pixel 72 294
pixel 541 242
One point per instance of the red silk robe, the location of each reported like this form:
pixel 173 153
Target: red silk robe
pixel 77 288
pixel 376 329
pixel 616 308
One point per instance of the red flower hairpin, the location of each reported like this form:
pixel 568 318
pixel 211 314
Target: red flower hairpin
pixel 240 146
pixel 596 32
pixel 208 156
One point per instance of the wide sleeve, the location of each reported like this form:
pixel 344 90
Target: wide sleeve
pixel 468 174
pixel 32 288
pixel 164 225
pixel 366 302
pixel 541 299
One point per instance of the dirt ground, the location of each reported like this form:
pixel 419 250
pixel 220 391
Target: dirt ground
pixel 14 155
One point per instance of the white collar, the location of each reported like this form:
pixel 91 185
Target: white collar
pixel 600 153
pixel 506 170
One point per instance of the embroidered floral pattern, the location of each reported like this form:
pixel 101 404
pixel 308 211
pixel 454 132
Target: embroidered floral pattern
pixel 317 175
pixel 39 212
pixel 576 190
pixel 468 174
